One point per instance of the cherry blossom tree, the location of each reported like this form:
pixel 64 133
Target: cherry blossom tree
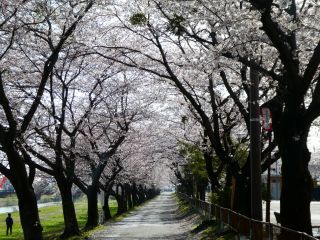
pixel 75 90
pixel 279 41
pixel 26 25
pixel 174 60
pixel 285 50
pixel 176 73
pixel 104 132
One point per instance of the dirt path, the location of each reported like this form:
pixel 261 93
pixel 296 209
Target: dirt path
pixel 157 219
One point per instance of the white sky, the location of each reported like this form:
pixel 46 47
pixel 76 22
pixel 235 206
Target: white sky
pixel 314 140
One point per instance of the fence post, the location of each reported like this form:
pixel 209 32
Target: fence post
pixel 238 226
pixel 270 231
pixel 220 220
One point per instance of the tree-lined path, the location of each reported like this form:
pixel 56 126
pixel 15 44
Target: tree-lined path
pixel 157 219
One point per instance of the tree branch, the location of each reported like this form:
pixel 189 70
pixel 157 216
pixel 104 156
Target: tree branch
pixel 240 106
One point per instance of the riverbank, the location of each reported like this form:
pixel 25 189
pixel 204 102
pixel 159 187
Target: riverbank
pixel 12 200
pixel 11 209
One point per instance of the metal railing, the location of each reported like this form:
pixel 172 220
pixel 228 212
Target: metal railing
pixel 245 227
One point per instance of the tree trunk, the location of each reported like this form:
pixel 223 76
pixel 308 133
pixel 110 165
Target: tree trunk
pixel 106 208
pixel 135 198
pixel 120 205
pixel 129 195
pixel 210 171
pixel 70 220
pixel 195 187
pixel 27 202
pixel 226 197
pixel 202 191
pixel 92 196
pixel 188 188
pixel 28 210
pixel 242 198
pixel 142 197
pixel 120 200
pixel 124 199
pixel 297 184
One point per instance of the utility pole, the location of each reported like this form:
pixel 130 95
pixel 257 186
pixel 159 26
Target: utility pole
pixel 266 117
pixel 268 181
pixel 255 147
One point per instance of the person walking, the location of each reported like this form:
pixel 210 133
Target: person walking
pixel 9 222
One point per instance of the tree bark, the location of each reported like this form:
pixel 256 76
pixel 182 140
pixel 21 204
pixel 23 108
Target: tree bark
pixel 135 198
pixel 202 191
pixel 71 227
pixel 28 210
pixel 141 194
pixel 124 199
pixel 92 196
pixel 106 208
pixel 27 201
pixel 120 200
pixel 129 195
pixel 297 184
pixel 242 198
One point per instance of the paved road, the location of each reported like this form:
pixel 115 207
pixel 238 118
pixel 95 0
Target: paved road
pixel 157 219
pixel 314 208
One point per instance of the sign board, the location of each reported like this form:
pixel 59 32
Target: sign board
pixel 266 118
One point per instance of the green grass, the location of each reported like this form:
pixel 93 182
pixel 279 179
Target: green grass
pixel 52 221
pixel 184 206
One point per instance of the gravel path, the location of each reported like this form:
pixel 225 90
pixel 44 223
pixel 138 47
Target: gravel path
pixel 157 219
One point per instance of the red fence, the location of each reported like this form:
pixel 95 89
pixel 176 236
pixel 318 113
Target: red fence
pixel 244 226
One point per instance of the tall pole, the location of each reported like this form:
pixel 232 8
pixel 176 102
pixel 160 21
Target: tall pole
pixel 255 147
pixel 268 182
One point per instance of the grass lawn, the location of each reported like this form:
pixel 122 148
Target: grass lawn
pixel 51 219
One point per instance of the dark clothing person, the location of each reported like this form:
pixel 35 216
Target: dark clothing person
pixel 9 222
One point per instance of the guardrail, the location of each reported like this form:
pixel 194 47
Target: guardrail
pixel 246 227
